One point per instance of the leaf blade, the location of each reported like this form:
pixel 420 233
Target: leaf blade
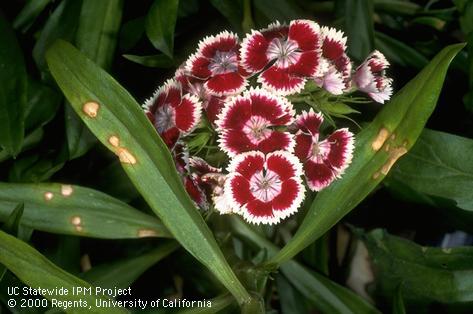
pixel 160 23
pixel 56 207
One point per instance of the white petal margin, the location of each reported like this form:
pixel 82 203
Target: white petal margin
pixel 208 40
pixel 244 51
pixel 282 102
pixel 197 112
pixel 334 35
pixel 163 89
pixel 348 155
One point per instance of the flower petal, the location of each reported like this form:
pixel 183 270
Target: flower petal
pixel 307 65
pixel 198 66
pixel 239 189
pixel 253 52
pixel 281 81
pixel 224 41
pixel 290 198
pixel 235 114
pixel 318 175
pixel 225 84
pixel 277 141
pixel 234 142
pixel 306 33
pixel 303 146
pixel 309 122
pixel 247 164
pixel 334 43
pixel 257 212
pixel 277 110
pixel 188 113
pixel 284 164
pixel 341 149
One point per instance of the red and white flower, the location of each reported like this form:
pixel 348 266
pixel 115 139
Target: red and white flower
pixel 370 77
pixel 336 77
pixel 211 104
pixel 286 55
pixel 325 160
pixel 216 62
pixel 172 113
pixel 250 121
pixel 265 188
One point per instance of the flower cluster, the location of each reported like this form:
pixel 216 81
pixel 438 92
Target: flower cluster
pixel 246 93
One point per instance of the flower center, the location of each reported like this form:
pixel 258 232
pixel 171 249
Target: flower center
pixel 164 118
pixel 223 62
pixel 256 129
pixel 265 185
pixel 285 52
pixel 319 151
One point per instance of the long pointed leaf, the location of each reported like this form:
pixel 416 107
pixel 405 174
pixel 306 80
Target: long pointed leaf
pixel 12 91
pixel 70 209
pixel 391 134
pixel 35 270
pixel 116 119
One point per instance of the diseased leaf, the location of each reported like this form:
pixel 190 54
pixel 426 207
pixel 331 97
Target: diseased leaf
pixel 378 146
pixel 424 274
pixel 75 210
pixel 37 271
pixel 359 28
pixel 12 91
pixel 153 61
pixel 96 37
pixel 123 273
pixel 120 124
pixel 439 165
pixel 160 23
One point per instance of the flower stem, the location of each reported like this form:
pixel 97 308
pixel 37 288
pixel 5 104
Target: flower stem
pixel 247 24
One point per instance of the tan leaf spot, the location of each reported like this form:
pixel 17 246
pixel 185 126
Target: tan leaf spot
pixel 91 109
pixel 380 139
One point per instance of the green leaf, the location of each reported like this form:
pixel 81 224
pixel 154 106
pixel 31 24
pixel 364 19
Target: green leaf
pixel 12 223
pixel 397 7
pixel 131 33
pixel 424 274
pixel 37 271
pixel 29 13
pixel 231 10
pixel 378 146
pixel 291 300
pixel 153 61
pixel 30 141
pixel 439 165
pixel 160 23
pixel 326 295
pixel 42 105
pixel 120 124
pixel 97 33
pixel 359 28
pixel 398 302
pixel 96 37
pixel 218 305
pixel 61 24
pixel 12 90
pixel 398 52
pixel 281 10
pixel 75 210
pixel 123 273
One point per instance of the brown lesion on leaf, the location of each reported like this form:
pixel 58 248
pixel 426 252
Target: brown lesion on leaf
pixel 114 141
pixel 91 109
pixel 146 233
pixel 77 223
pixel 66 190
pixel 394 153
pixel 124 155
pixel 382 136
pixel 48 196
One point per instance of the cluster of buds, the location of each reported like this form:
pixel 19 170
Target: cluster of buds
pixel 242 90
